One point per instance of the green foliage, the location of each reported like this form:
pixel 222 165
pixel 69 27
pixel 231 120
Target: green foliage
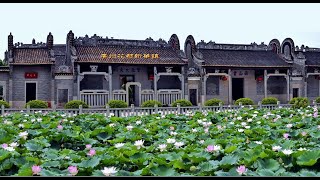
pixel 299 102
pixel 5 103
pixel 151 103
pixel 2 63
pixel 317 100
pixel 244 101
pixel 117 104
pixel 213 102
pixel 182 102
pixel 308 158
pixel 269 100
pixel 37 104
pixel 55 149
pixel 74 104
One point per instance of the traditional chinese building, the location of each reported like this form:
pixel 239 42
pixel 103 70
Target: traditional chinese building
pixel 96 70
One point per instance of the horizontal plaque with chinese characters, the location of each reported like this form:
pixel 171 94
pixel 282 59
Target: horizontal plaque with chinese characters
pixel 130 56
pixel 31 75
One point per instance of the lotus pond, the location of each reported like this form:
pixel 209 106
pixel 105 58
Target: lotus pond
pixel 244 142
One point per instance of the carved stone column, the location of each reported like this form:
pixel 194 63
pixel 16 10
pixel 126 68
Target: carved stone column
pixel 155 80
pixel 288 87
pixel 110 82
pixel 183 83
pixel 230 87
pixel 204 86
pixel 181 77
pixel 306 87
pixel 79 78
pixel 265 83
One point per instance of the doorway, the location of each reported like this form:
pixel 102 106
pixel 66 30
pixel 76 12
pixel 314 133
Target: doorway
pixel 295 92
pixel 31 91
pixel 124 79
pixel 193 96
pixel 237 88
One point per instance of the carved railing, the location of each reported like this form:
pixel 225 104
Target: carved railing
pixel 146 95
pixel 168 96
pixel 119 94
pixel 95 98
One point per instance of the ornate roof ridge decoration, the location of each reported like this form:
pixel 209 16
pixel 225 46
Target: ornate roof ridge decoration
pixel 37 45
pixel 214 45
pixel 304 48
pixel 99 40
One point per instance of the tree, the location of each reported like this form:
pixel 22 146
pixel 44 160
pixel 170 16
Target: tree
pixel 2 63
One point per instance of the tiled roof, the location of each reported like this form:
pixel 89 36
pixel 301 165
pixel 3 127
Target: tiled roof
pixel 31 56
pixel 313 58
pixel 242 58
pixel 93 54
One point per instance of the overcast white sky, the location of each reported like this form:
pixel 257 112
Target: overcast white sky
pixel 223 23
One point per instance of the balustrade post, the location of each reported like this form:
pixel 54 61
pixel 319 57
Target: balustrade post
pixel 260 105
pixel 132 109
pixel 156 111
pixel 2 109
pixel 220 106
pixel 240 105
pixel 53 106
pixel 80 109
pixel 179 108
pixel 278 104
pixel 28 108
pixel 200 107
pixel 108 110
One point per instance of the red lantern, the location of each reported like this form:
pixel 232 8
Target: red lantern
pixel 151 77
pixel 260 78
pixel 224 78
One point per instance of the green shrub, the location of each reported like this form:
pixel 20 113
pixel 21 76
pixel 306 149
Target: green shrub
pixel 74 104
pixel 318 100
pixel 117 104
pixel 5 103
pixel 213 102
pixel 244 101
pixel 269 100
pixel 299 102
pixel 182 102
pixel 37 104
pixel 151 103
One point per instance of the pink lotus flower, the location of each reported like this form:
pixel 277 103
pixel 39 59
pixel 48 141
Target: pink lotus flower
pixel 211 148
pixel 73 170
pixel 171 128
pixel 303 133
pixel 241 169
pixel 4 145
pixel 60 127
pixel 36 170
pixel 88 146
pixel 206 130
pixel 315 115
pixel 286 135
pixel 92 152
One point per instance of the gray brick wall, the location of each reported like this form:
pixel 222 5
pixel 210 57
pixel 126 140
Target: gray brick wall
pixel 212 87
pixel 43 82
pixel 4 79
pixel 64 84
pixel 312 87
